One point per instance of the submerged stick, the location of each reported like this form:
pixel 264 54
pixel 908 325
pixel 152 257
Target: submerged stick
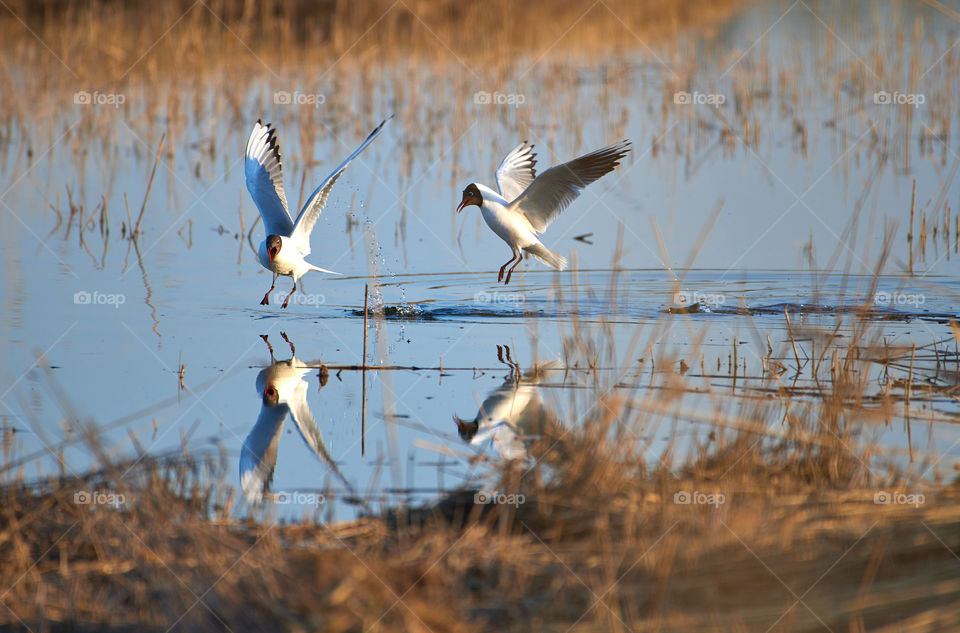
pixel 734 364
pixel 792 341
pixel 913 202
pixel 906 404
pixel 156 161
pixel 363 397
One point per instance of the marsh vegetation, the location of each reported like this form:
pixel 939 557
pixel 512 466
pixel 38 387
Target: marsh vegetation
pixel 737 411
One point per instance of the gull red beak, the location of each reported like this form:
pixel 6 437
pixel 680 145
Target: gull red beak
pixel 271 397
pixel 463 203
pixel 272 252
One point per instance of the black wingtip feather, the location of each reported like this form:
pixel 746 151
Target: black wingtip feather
pixel 272 142
pixel 377 129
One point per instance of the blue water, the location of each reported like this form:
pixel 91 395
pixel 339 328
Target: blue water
pixel 116 327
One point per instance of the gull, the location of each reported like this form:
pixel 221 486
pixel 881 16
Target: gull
pixel 287 243
pixel 283 392
pixel 512 415
pixel 525 204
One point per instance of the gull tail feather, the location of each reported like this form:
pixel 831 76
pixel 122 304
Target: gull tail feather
pixel 548 257
pixel 323 270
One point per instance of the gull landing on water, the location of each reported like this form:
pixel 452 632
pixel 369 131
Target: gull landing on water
pixel 287 242
pixel 526 204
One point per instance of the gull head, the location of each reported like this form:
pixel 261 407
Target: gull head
pixel 273 246
pixel 471 195
pixel 271 397
pixel 466 428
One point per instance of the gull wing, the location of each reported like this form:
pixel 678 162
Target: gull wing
pixel 258 456
pixel 318 199
pixel 265 180
pixel 517 171
pixel 555 189
pixel 310 432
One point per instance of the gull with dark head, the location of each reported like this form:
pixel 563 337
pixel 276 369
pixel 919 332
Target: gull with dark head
pixel 514 417
pixel 283 391
pixel 525 204
pixel 287 243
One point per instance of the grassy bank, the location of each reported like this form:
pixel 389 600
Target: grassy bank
pixel 790 540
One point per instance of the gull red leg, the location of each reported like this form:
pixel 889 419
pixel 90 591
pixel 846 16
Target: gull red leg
pixel 266 297
pixel 293 350
pixel 269 346
pixel 287 298
pixel 519 257
pixel 504 267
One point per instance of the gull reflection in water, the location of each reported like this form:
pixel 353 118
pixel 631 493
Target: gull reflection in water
pixel 512 417
pixel 283 390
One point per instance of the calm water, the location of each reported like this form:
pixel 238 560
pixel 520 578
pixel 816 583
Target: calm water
pixel 116 325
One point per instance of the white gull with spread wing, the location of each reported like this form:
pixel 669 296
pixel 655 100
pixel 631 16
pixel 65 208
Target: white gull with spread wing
pixel 287 244
pixel 526 204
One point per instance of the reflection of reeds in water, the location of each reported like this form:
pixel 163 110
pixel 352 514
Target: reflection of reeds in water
pixel 944 225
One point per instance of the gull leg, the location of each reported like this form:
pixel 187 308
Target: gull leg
pixel 293 350
pixel 504 267
pixel 269 346
pixel 514 366
pixel 266 297
pixel 519 257
pixel 287 298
